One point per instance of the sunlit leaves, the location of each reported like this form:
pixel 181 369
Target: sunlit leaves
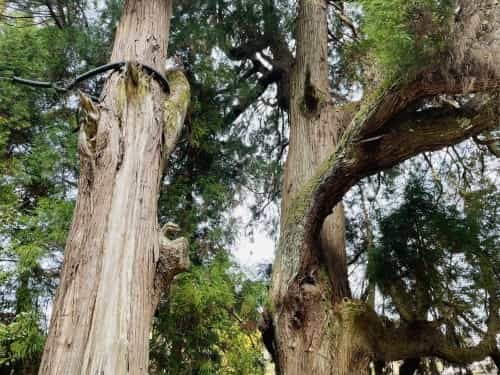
pixel 215 309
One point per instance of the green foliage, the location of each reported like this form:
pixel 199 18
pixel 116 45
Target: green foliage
pixel 216 158
pixel 21 342
pixel 208 322
pixel 403 35
pixel 208 325
pixel 416 237
pixel 442 253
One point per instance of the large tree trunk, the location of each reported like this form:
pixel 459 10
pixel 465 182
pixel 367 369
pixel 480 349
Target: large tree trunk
pixel 318 328
pixel 310 339
pixel 117 261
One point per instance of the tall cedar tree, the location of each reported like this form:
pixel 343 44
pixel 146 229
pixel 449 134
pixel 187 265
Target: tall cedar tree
pixel 117 260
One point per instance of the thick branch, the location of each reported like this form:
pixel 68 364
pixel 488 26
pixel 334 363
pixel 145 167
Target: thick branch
pixel 356 158
pixel 390 101
pixel 425 339
pixel 397 141
pixel 472 66
pixel 414 339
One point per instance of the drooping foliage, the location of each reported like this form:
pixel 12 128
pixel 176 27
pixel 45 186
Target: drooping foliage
pixel 425 236
pixel 434 246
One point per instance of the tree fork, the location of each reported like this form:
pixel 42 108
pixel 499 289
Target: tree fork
pixel 117 260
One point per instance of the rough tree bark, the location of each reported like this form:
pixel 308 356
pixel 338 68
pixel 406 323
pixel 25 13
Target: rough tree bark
pixel 303 340
pixel 117 260
pixel 318 328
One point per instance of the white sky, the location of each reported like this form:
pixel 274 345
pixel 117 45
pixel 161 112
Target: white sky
pixel 251 251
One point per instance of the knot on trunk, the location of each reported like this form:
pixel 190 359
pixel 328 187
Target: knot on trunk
pixel 305 298
pixel 314 98
pixel 173 257
pixel 135 85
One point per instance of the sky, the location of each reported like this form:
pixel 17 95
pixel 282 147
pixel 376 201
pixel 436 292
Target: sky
pixel 250 251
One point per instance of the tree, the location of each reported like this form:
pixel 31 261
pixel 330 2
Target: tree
pixel 421 66
pixel 117 261
pixel 198 189
pixel 318 327
pixel 436 264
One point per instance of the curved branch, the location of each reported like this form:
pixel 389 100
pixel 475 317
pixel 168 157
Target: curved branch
pixel 356 158
pixel 391 100
pixel 389 342
pixel 422 339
